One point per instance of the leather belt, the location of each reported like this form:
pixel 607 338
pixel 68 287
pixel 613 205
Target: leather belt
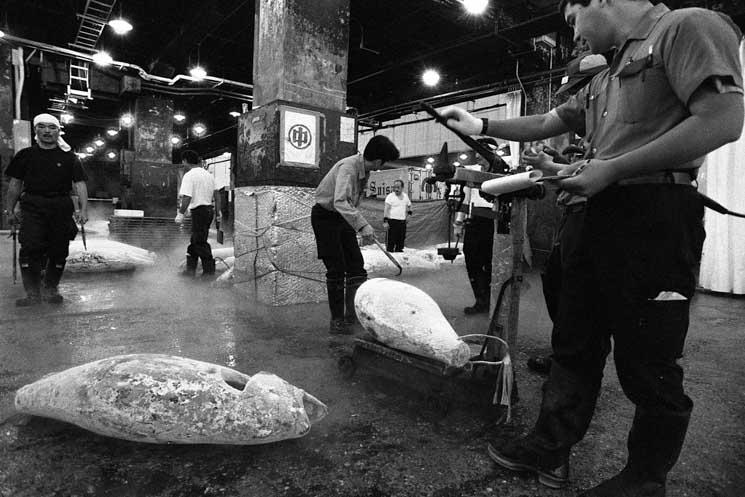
pixel 665 177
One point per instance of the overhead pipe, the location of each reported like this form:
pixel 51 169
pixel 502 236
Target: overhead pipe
pixel 45 47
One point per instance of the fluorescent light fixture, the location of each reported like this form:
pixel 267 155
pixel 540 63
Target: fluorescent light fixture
pixel 127 120
pixel 475 7
pixel 102 58
pixel 234 113
pixel 175 140
pixel 430 77
pixel 199 129
pixel 66 118
pixel 120 26
pixel 198 73
pixel 99 142
pixel 112 132
pixel 179 117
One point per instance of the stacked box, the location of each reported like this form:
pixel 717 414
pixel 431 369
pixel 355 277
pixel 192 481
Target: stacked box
pixel 275 249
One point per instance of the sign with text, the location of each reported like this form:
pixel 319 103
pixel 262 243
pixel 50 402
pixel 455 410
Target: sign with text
pixel 299 137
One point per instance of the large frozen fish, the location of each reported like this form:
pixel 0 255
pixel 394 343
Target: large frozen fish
pixel 167 399
pixel 106 256
pixel 405 318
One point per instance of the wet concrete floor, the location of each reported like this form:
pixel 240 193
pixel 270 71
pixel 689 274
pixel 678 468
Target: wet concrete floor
pixel 379 439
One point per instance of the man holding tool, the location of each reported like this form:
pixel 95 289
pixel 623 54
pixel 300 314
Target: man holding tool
pixel 41 177
pixel 336 222
pixel 674 74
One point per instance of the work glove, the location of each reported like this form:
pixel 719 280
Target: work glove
pixel 179 218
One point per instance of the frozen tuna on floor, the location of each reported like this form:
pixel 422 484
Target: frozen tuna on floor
pixel 405 318
pixel 158 398
pixel 106 256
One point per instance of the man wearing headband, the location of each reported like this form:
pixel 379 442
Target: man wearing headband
pixel 40 180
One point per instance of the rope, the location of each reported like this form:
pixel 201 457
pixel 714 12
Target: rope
pixel 505 377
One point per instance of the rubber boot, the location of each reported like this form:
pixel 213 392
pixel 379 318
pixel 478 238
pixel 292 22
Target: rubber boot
pixel 350 290
pixel 191 267
pixel 31 277
pixel 654 444
pixel 208 269
pixel 335 290
pixel 52 277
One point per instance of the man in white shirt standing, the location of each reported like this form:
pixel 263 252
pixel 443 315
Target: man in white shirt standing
pixel 197 191
pixel 397 207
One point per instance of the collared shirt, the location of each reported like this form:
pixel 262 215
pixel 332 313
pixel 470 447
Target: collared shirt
pixel 198 184
pixel 340 190
pixel 645 91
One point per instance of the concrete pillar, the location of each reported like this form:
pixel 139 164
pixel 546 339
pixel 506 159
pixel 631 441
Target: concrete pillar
pixel 6 121
pixel 153 177
pixel 295 133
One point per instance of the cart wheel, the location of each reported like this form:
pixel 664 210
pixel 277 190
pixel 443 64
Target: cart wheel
pixel 346 366
pixel 438 406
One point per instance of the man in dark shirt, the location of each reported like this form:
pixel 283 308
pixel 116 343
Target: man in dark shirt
pixel 672 94
pixel 336 222
pixel 40 180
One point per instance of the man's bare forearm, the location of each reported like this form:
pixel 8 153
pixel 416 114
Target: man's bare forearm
pixel 15 187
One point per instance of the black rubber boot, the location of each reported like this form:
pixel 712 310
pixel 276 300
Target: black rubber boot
pixel 191 267
pixel 335 290
pixel 478 308
pixel 31 277
pixel 52 277
pixel 350 290
pixel 527 454
pixel 208 268
pixel 654 444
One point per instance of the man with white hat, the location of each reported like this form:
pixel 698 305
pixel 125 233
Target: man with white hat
pixel 40 180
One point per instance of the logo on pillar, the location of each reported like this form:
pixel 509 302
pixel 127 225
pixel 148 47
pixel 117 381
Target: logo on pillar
pixel 300 136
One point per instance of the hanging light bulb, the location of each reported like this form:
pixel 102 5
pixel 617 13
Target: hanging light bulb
pixel 89 149
pixel 66 118
pixel 199 129
pixel 175 140
pixel 111 155
pixel 475 6
pixel 112 132
pixel 430 77
pixel 198 73
pixel 120 26
pixel 102 58
pixel 99 142
pixel 234 113
pixel 179 117
pixel 127 120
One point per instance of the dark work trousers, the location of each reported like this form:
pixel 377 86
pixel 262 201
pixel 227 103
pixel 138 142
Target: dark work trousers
pixel 201 219
pixel 336 242
pixel 46 229
pixel 478 242
pixel 564 247
pixel 396 235
pixel 635 242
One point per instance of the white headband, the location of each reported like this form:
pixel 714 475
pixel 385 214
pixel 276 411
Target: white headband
pixel 50 119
